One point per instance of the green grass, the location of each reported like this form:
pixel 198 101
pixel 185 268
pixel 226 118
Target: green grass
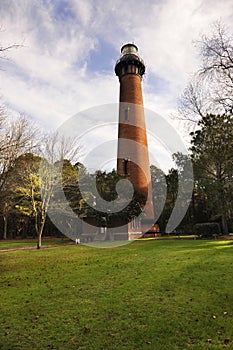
pixel 162 295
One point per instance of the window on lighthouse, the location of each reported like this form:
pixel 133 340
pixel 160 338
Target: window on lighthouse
pixel 127 114
pixel 133 69
pixel 126 167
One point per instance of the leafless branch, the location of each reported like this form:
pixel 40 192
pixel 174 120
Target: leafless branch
pixel 211 88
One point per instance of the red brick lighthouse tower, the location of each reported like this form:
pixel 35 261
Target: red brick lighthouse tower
pixel 132 157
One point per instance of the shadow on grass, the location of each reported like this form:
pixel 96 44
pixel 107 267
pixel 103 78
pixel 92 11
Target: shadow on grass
pixel 9 346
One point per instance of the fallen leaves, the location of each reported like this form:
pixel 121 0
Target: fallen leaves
pixel 73 340
pixel 35 319
pixel 76 319
pixel 226 341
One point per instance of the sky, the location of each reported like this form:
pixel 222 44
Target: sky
pixel 68 50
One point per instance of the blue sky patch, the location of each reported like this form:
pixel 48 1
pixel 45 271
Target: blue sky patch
pixel 101 59
pixel 157 84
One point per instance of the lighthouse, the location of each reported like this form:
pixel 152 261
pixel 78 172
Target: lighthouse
pixel 132 154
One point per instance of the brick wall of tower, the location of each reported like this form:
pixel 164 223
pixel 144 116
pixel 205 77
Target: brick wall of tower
pixel 133 129
pixel 131 89
pixel 132 136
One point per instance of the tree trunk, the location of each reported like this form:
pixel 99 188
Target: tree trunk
pixel 5 226
pixel 5 219
pixel 224 225
pixel 39 241
pixel 40 231
pixel 222 201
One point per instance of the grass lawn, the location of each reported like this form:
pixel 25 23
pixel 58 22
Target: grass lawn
pixel 154 294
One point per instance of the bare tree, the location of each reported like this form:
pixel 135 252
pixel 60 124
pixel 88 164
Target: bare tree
pixel 194 101
pixel 211 88
pixel 4 50
pixel 17 136
pixel 56 148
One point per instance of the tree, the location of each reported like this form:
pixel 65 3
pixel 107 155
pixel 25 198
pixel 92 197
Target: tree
pixel 165 194
pixel 7 207
pixel 100 201
pixel 55 172
pixel 211 88
pixel 5 49
pixel 17 136
pixel 8 200
pixel 70 176
pixel 159 191
pixel 27 189
pixel 212 154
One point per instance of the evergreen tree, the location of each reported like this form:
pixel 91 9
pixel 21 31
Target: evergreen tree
pixel 212 155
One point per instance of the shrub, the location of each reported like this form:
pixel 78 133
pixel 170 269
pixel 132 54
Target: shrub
pixel 207 229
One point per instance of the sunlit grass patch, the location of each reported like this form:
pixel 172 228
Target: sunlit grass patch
pixel 222 244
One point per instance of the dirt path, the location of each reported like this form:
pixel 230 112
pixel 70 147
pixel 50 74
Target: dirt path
pixel 7 250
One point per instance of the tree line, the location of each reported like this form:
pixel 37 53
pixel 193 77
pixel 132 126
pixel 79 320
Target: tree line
pixel 28 180
pixel 211 153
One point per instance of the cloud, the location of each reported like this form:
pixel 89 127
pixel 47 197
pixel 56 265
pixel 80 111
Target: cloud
pixel 60 69
pixel 47 77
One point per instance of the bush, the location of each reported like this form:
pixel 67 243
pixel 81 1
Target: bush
pixel 207 229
